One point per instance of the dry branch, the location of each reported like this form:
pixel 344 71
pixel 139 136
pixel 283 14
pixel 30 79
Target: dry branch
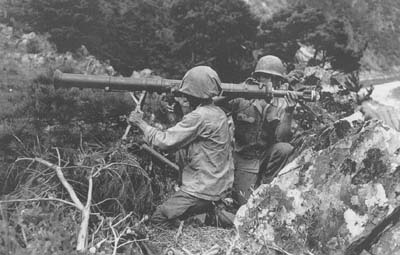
pixel 85 209
pixel 118 235
pixel 277 248
pixel 38 199
pixel 179 232
pixel 62 179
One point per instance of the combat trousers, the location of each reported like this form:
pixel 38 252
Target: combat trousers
pixel 273 160
pixel 179 207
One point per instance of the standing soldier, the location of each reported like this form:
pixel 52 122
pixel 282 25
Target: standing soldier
pixel 204 135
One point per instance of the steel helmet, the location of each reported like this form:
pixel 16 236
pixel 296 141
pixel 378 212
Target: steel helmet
pixel 271 65
pixel 201 82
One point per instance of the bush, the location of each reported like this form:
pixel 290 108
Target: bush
pixel 33 46
pixel 330 38
pixel 217 33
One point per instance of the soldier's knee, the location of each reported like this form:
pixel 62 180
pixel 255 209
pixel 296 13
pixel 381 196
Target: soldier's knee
pixel 163 218
pixel 158 216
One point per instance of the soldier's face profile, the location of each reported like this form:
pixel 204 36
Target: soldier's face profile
pixel 269 79
pixel 264 78
pixel 184 103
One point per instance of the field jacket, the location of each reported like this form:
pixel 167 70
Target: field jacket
pixel 204 136
pixel 256 123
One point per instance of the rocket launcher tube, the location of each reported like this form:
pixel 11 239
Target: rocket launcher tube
pixel 110 83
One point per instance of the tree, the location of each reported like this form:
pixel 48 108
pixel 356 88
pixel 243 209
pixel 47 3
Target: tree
pixel 280 34
pixel 166 36
pixel 217 33
pixel 70 24
pixel 333 41
pixel 139 38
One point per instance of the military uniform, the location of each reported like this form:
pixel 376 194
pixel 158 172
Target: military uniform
pixel 259 152
pixel 204 138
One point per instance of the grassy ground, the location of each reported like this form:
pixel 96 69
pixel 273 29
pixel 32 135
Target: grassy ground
pixel 196 240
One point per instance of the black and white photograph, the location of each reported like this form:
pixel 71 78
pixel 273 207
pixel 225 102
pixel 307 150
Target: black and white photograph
pixel 199 127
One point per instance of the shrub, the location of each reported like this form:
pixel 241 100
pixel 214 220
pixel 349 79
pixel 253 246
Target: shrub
pixel 33 46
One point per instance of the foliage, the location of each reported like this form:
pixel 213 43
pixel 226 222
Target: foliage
pixel 375 22
pixel 332 40
pixel 138 38
pixel 217 33
pixel 172 36
pixel 39 228
pixel 33 46
pixel 167 36
pixel 121 185
pixel 281 35
pixel 70 24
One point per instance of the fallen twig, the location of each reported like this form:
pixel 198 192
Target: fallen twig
pixel 187 251
pixel 213 250
pixel 179 231
pixel 38 199
pixel 122 220
pixel 62 179
pixel 277 248
pixel 233 244
pixel 85 209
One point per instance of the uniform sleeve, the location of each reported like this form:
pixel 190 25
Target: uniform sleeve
pixel 176 137
pixel 234 104
pixel 227 105
pixel 280 121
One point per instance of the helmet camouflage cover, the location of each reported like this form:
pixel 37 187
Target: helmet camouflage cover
pixel 201 82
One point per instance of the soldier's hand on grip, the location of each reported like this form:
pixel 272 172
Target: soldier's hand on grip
pixel 291 100
pixel 136 118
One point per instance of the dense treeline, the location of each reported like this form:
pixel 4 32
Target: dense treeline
pixel 172 36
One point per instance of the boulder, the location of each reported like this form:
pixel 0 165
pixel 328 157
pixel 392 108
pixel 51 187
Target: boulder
pixel 331 197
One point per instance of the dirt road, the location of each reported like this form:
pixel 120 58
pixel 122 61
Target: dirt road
pixel 388 94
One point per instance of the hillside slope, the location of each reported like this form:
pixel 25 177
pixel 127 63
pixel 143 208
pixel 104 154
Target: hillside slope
pixel 375 22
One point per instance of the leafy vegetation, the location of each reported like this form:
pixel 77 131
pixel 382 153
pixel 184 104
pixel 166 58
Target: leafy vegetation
pixel 330 38
pixel 280 34
pixel 172 36
pixel 374 22
pixel 214 32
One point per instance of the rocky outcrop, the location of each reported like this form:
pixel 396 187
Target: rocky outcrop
pixel 330 198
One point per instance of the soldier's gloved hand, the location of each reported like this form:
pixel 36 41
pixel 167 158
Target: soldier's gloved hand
pixel 291 100
pixel 168 102
pixel 139 140
pixel 136 118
